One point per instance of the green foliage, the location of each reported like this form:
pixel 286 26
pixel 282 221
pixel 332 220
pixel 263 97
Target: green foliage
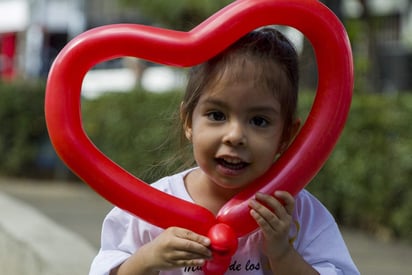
pixel 366 181
pixel 138 130
pixel 178 14
pixel 22 126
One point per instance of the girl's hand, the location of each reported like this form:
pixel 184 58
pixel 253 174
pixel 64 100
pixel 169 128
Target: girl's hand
pixel 176 247
pixel 273 214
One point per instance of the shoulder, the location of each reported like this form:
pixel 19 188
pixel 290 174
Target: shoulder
pixel 307 205
pixel 318 237
pixel 165 184
pixel 312 217
pixel 174 185
pixel 119 219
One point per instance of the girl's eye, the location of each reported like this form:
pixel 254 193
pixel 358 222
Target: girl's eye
pixel 216 116
pixel 259 121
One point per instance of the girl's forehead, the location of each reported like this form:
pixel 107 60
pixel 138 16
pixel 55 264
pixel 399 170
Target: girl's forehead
pixel 243 87
pixel 255 68
pixel 257 76
pixel 229 73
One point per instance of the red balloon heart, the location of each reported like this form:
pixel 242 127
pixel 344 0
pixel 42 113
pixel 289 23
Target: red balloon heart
pixel 291 172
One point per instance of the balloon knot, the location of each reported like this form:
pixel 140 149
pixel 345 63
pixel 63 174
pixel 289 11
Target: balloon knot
pixel 223 245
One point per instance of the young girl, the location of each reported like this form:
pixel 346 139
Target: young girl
pixel 239 114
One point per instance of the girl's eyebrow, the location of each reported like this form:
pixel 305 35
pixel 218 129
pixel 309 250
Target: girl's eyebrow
pixel 214 101
pixel 257 109
pixel 265 109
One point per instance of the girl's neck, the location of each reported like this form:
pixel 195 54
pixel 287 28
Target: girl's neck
pixel 206 193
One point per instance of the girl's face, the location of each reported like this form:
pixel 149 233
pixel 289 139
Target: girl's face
pixel 236 131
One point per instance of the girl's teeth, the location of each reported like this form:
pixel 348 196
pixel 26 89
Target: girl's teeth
pixel 234 164
pixel 232 161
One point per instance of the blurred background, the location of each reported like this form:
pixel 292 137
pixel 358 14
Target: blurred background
pixel 129 105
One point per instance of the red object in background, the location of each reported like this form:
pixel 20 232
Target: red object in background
pixel 299 164
pixel 7 55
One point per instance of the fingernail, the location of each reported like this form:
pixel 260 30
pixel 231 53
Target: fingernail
pixel 207 241
pixel 199 262
pixel 252 202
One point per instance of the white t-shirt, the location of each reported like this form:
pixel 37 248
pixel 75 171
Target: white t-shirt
pixel 315 235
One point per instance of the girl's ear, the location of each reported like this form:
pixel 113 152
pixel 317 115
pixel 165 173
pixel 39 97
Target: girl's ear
pixel 294 129
pixel 185 122
pixel 188 133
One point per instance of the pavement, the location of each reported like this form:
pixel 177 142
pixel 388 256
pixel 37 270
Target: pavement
pixel 79 209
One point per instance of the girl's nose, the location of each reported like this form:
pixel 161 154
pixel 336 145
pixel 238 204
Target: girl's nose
pixel 235 135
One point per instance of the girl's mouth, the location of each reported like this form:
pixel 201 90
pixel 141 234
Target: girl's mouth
pixel 232 164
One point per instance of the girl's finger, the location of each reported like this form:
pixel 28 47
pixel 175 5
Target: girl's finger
pixel 180 255
pixel 273 204
pixel 287 199
pixel 265 218
pixel 190 235
pixel 192 243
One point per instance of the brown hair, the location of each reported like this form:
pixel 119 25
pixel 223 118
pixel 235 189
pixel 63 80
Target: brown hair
pixel 275 64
